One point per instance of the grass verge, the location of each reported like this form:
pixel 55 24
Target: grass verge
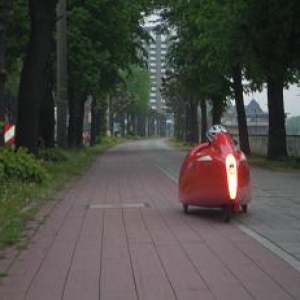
pixel 180 145
pixel 16 195
pixel 287 164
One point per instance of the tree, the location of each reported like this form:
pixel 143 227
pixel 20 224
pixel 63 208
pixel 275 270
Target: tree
pixel 273 35
pixel 137 84
pixel 103 37
pixel 224 47
pixel 32 85
pixel 191 60
pixel 5 7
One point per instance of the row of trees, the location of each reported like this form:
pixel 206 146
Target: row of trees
pixel 220 45
pixel 104 52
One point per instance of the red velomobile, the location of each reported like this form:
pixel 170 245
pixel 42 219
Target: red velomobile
pixel 216 174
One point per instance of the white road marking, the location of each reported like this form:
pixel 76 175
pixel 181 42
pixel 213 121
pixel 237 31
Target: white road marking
pixel 288 258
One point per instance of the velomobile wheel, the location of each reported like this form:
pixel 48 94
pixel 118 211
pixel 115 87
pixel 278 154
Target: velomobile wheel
pixel 226 213
pixel 185 208
pixel 245 208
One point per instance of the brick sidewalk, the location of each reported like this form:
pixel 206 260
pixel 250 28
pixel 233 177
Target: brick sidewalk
pixel 100 243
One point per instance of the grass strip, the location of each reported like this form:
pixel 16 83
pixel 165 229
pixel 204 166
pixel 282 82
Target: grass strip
pixel 16 195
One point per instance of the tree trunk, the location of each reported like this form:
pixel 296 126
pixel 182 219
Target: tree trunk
pixel 46 116
pixel 240 109
pixel 79 121
pixel 216 109
pixel 43 18
pixel 61 86
pixel 75 121
pixel 73 115
pixel 46 121
pixel 194 121
pixel 102 122
pixel 192 132
pixel 122 123
pixel 163 126
pixel 203 120
pixel 4 20
pixel 141 125
pixel 128 124
pixel 98 124
pixel 277 132
pixel 182 123
pixel 94 122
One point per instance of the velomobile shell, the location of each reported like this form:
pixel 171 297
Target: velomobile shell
pixel 203 176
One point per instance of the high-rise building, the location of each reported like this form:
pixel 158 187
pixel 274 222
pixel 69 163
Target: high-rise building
pixel 157 51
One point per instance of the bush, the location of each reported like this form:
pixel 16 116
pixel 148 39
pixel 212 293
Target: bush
pixel 2 174
pixel 21 165
pixel 52 155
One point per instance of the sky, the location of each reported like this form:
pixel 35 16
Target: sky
pixel 291 100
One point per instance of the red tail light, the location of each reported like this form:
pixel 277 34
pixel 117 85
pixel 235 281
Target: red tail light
pixel 231 170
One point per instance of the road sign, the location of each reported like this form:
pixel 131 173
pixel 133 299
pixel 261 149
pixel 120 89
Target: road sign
pixel 9 135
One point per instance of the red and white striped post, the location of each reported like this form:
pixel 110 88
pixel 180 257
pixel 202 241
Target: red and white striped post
pixel 9 135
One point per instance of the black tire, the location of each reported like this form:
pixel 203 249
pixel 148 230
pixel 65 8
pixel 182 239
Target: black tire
pixel 245 208
pixel 185 208
pixel 226 213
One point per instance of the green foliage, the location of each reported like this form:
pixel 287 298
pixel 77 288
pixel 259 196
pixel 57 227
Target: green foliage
pixel 196 58
pixel 52 155
pixel 104 36
pixel 21 165
pixel 137 83
pixel 2 173
pixel 18 35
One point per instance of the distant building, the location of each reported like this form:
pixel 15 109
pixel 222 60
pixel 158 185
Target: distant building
pixel 257 119
pixel 156 59
pixel 157 51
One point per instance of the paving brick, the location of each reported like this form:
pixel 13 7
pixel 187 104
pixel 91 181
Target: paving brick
pixel 150 277
pixel 180 270
pixel 151 253
pixel 195 295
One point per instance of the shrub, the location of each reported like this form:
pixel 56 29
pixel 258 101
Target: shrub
pixel 21 165
pixel 52 155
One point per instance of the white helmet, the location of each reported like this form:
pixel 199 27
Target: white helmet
pixel 214 130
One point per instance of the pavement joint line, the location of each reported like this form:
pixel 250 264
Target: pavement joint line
pixel 288 258
pixel 167 173
pixel 118 205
